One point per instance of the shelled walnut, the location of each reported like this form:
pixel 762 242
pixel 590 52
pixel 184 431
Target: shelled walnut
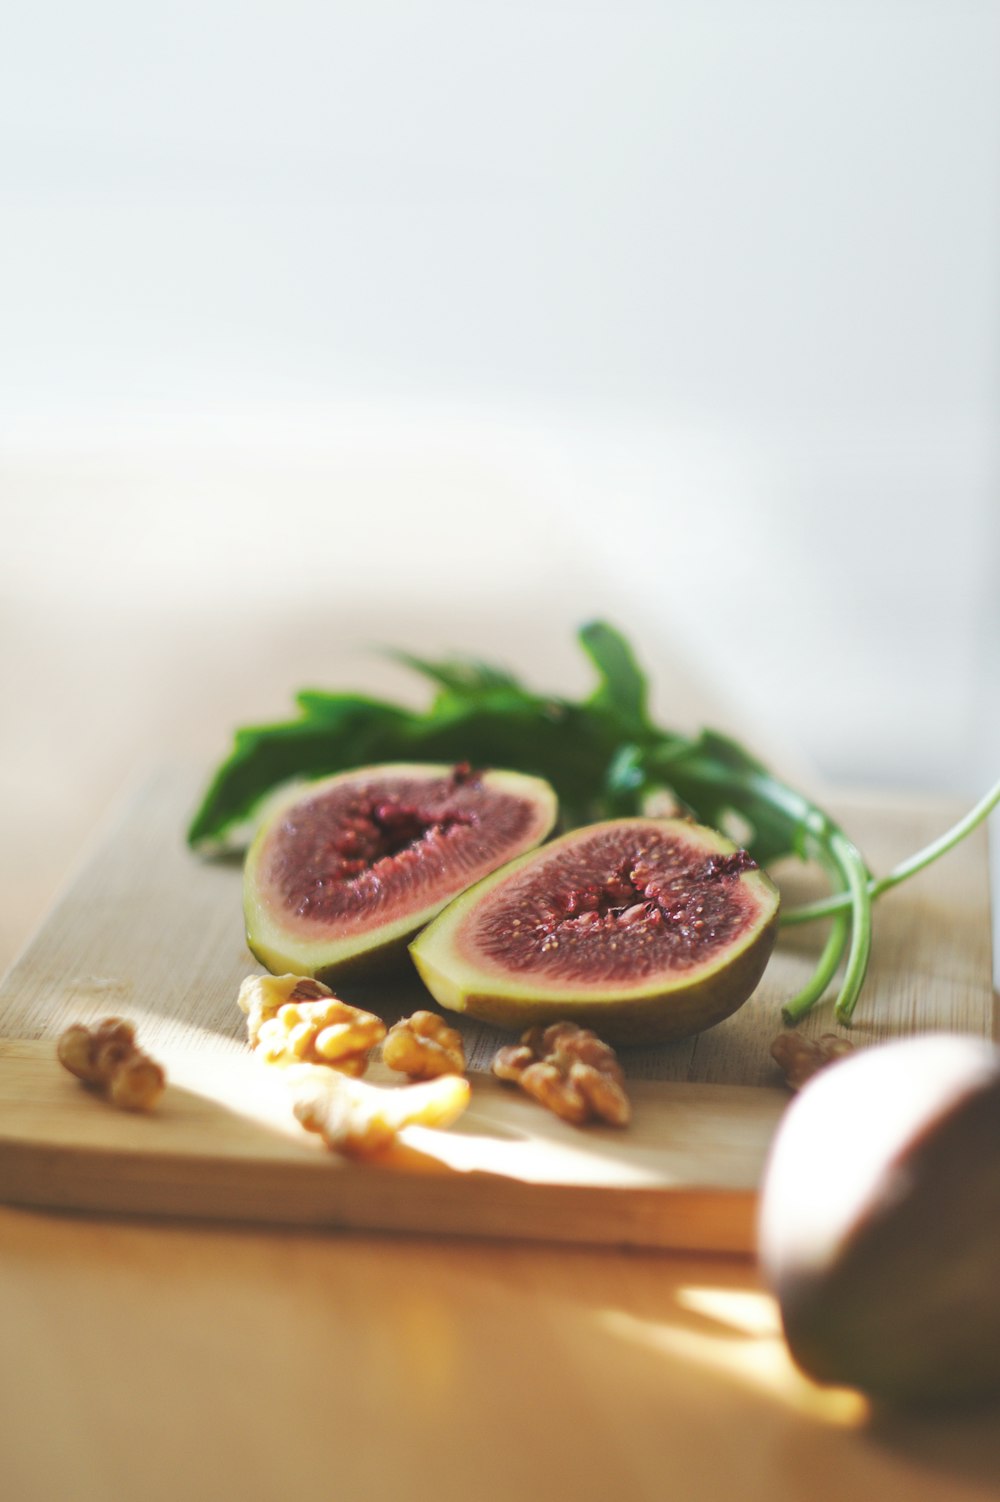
pixel 569 1070
pixel 107 1058
pixel 800 1058
pixel 424 1046
pixel 293 1019
pixel 361 1119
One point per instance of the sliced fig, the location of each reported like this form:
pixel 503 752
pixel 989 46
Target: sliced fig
pixel 643 929
pixel 343 873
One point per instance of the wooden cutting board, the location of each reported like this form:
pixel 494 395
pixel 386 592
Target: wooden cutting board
pixel 146 930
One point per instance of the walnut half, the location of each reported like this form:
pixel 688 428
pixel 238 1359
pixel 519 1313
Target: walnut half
pixel 424 1046
pixel 108 1058
pixel 569 1070
pixel 293 1019
pixel 800 1058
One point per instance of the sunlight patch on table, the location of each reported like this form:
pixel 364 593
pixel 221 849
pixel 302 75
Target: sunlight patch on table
pixel 758 1362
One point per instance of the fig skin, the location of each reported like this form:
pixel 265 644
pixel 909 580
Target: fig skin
pixel 663 1010
pixel 332 956
pixel 879 1227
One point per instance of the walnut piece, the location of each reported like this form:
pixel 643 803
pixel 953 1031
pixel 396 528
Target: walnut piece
pixel 107 1057
pixel 293 1019
pixel 424 1046
pixel 361 1119
pixel 800 1058
pixel 570 1071
pixel 260 997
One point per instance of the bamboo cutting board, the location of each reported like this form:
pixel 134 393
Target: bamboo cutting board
pixel 149 932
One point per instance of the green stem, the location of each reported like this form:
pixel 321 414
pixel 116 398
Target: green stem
pixel 851 930
pixel 827 906
pixel 826 968
pixel 854 869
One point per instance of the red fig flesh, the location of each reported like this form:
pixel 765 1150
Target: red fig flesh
pixel 344 871
pixel 643 929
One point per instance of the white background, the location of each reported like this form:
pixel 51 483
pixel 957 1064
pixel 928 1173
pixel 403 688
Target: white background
pixel 689 313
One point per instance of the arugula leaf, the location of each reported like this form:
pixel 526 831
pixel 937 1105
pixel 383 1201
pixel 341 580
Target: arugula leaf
pixel 336 732
pixel 621 691
pixel 342 711
pixel 464 677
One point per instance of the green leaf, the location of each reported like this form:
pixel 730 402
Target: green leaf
pixel 625 780
pixel 622 690
pixel 347 734
pixel 343 710
pixel 463 677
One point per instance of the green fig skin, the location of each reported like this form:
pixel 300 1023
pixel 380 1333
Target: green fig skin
pixel 888 1278
pixel 383 961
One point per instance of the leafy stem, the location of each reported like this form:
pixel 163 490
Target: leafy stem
pixel 833 951
pixel 855 873
pixel 826 968
pixel 826 906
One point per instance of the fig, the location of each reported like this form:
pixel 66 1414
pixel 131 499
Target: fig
pixel 879 1224
pixel 643 929
pixel 342 873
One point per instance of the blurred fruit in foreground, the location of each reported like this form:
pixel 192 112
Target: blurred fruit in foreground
pixel 880 1222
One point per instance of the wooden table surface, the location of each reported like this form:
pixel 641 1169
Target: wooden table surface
pixel 160 1360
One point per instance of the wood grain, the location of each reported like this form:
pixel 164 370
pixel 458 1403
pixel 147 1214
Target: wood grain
pixel 164 1360
pixel 148 931
pixel 223 1145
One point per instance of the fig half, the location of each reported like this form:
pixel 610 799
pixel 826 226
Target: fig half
pixel 342 873
pixel 644 929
